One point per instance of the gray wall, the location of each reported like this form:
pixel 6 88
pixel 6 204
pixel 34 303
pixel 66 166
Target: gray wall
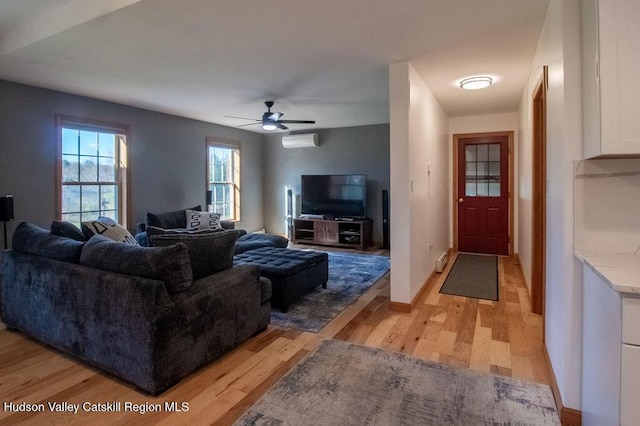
pixel 363 149
pixel 167 155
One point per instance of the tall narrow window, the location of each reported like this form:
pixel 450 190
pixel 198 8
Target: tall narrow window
pixel 92 159
pixel 223 178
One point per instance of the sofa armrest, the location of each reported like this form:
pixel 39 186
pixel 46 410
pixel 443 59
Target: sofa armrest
pixel 204 322
pixel 102 317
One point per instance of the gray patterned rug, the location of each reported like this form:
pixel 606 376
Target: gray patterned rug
pixel 350 275
pixel 348 384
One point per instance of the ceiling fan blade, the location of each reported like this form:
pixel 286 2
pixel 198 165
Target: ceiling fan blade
pixel 249 124
pixel 281 126
pixel 241 118
pixel 298 121
pixel 275 116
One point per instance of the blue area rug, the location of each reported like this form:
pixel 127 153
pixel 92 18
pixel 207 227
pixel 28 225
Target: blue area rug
pixel 350 275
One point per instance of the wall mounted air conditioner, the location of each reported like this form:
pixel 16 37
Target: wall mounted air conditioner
pixel 308 140
pixel 441 261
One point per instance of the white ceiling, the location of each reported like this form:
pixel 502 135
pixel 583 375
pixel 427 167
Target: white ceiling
pixel 324 60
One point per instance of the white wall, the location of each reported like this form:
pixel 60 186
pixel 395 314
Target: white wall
pixel 419 200
pixel 607 205
pixel 559 48
pixel 483 124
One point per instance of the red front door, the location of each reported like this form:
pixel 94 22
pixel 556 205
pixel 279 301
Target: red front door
pixel 483 195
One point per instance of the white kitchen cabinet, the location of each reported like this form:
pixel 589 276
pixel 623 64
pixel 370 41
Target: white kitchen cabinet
pixel 610 64
pixel 610 354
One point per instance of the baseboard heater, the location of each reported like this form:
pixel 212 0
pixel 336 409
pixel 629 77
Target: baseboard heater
pixel 441 261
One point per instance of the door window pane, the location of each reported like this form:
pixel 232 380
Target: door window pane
pixel 494 152
pixel 494 168
pixel 482 170
pixel 470 153
pixel 470 189
pixel 483 152
pixel 471 170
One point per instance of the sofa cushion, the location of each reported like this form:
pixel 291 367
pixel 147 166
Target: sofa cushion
pixel 173 219
pixel 29 238
pixel 168 264
pixel 197 220
pixel 67 229
pixel 108 228
pixel 209 252
pixel 254 241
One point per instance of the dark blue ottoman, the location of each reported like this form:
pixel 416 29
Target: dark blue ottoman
pixel 292 272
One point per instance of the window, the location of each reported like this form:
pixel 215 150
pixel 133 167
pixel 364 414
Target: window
pixel 223 178
pixel 482 162
pixel 92 171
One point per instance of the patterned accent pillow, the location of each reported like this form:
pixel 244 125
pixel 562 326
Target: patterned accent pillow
pixel 202 220
pixel 110 229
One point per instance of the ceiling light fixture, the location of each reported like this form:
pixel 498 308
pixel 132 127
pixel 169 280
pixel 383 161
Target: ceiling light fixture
pixel 268 125
pixel 476 82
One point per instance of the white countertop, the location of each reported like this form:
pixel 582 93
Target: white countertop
pixel 620 271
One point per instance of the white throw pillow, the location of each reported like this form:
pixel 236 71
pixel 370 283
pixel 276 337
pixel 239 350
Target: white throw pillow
pixel 109 229
pixel 202 220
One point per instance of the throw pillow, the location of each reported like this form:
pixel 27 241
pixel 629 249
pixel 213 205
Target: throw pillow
pixel 208 252
pixel 202 220
pixel 110 229
pixel 29 238
pixel 168 264
pixel 168 220
pixel 67 229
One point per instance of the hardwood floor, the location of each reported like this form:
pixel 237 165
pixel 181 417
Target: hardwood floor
pixel 501 337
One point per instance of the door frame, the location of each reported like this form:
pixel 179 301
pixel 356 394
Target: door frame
pixel 456 137
pixel 539 194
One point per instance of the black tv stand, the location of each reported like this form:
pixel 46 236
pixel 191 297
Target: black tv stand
pixel 345 232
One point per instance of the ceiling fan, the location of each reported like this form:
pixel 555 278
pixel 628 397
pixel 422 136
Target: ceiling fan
pixel 271 120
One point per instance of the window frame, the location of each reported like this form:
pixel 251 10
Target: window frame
pixel 122 159
pixel 236 170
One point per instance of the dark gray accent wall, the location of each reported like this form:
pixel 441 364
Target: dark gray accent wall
pixel 167 155
pixel 363 149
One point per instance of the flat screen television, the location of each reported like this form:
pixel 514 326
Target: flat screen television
pixel 335 195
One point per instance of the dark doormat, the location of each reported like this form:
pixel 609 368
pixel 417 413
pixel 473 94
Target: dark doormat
pixel 474 276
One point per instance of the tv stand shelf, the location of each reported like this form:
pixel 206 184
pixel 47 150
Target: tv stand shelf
pixel 340 233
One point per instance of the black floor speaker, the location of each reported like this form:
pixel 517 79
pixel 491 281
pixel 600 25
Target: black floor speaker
pixel 385 219
pixel 289 214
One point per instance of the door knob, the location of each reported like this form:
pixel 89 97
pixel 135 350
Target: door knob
pixel 460 200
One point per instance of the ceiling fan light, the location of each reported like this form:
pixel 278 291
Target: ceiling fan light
pixel 476 83
pixel 267 125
